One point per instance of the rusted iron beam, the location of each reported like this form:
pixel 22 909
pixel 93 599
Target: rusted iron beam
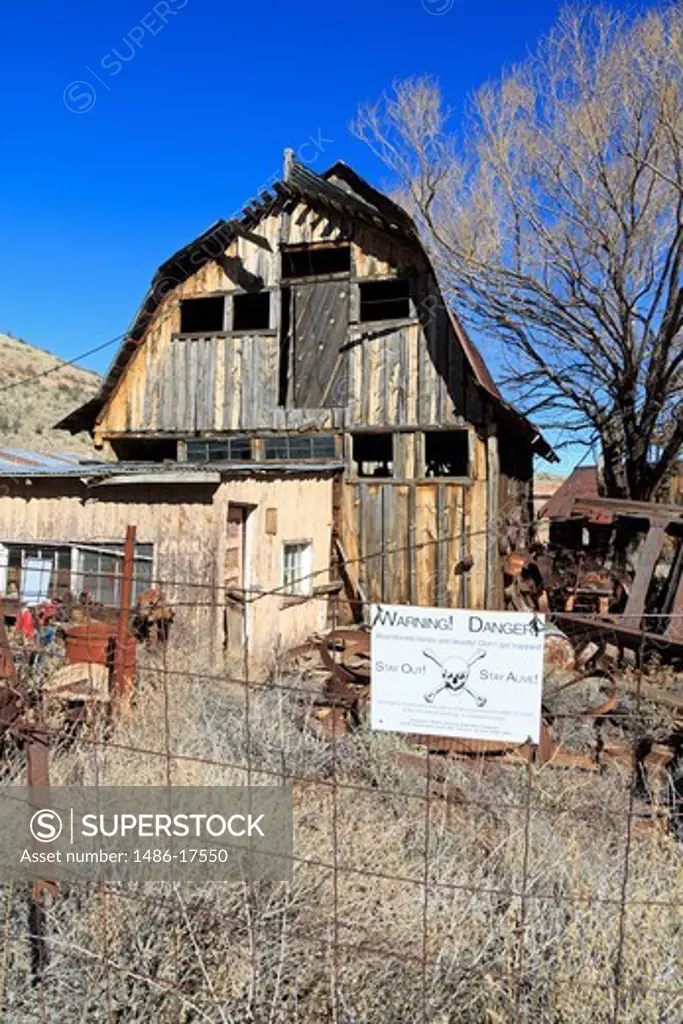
pixel 630 637
pixel 23 723
pixel 124 661
pixel 623 507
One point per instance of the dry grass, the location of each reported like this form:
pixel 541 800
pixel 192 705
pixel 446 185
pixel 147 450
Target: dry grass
pixel 348 945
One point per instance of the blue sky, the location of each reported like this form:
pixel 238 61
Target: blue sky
pixel 128 128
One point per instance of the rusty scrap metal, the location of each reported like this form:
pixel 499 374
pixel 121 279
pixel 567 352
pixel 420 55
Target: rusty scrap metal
pixel 124 658
pixel 558 651
pixel 637 609
pixel 152 618
pixel 19 718
pixel 605 706
pixel 92 643
pixel 352 648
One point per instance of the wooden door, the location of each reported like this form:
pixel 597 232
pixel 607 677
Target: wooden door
pixel 321 321
pixel 235 604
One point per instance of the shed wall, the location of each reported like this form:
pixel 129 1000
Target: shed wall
pixel 187 526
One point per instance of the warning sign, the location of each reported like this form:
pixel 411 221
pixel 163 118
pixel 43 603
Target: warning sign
pixel 459 673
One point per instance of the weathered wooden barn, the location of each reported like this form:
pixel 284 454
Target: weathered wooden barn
pixel 312 332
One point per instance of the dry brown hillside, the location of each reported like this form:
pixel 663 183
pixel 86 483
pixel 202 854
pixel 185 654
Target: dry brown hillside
pixel 29 411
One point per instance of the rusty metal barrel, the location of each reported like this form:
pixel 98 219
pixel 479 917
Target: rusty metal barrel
pixel 93 642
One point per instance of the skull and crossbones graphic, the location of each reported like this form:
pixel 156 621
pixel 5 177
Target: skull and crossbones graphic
pixel 455 675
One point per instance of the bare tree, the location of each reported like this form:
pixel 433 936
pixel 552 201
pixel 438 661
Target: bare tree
pixel 556 219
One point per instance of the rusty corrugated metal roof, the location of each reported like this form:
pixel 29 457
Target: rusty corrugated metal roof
pixel 581 483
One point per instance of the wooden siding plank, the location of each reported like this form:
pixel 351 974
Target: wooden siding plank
pixel 453 581
pixel 390 542
pixel 399 538
pixel 426 533
pixel 441 555
pixel 494 579
pixel 371 513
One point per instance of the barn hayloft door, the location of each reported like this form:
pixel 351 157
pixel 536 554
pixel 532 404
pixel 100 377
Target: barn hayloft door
pixel 321 319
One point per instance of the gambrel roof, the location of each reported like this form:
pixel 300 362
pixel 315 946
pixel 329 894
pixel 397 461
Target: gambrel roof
pixel 339 191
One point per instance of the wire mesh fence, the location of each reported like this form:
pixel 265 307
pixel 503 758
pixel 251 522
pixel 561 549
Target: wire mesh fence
pixel 427 885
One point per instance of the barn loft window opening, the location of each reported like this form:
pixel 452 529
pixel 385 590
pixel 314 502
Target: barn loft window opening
pixel 200 315
pixel 297 568
pixel 306 446
pixel 251 311
pixel 384 300
pixel 447 453
pixel 316 261
pixel 35 573
pixel 224 449
pixel 373 454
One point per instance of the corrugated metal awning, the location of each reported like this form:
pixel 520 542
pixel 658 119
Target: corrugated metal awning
pixel 18 462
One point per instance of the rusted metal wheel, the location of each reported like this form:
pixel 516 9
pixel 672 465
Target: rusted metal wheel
pixel 346 653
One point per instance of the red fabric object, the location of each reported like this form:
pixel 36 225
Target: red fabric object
pixel 27 626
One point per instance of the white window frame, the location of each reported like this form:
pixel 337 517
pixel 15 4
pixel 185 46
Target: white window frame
pixel 300 584
pixel 117 550
pixel 49 550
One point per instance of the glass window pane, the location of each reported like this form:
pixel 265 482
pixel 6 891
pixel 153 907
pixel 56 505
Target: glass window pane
pixel 299 447
pixel 109 567
pixel 90 570
pixel 240 448
pixel 276 448
pixel 197 451
pixel 296 569
pixel 323 446
pixel 142 579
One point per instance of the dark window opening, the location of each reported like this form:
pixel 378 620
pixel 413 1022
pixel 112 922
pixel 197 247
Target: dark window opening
pixel 142 449
pixel 251 312
pixel 198 315
pixel 384 300
pixel 224 449
pixel 373 454
pixel 447 453
pixel 306 446
pixel 316 262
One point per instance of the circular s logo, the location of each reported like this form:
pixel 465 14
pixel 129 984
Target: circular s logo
pixel 79 97
pixel 437 7
pixel 46 826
